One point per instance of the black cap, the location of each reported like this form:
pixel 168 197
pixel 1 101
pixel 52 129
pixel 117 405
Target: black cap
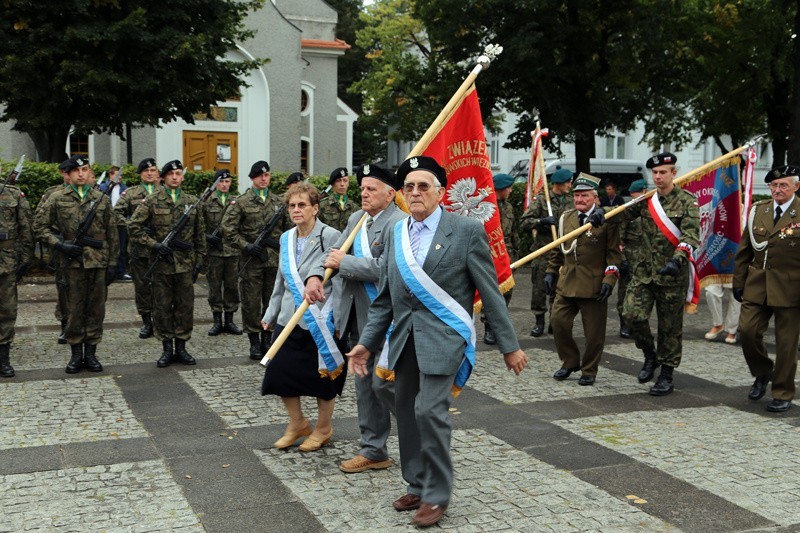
pixel 664 158
pixel 258 168
pixel 63 165
pixel 422 162
pixel 74 162
pixel 144 164
pixel 379 173
pixel 172 165
pixel 338 173
pixel 785 171
pixel 294 177
pixel 223 174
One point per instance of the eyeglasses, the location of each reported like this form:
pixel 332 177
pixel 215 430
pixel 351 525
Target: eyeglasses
pixel 779 186
pixel 422 187
pixel 301 205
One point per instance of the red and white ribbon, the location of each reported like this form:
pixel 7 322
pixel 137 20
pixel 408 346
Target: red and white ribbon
pixel 673 235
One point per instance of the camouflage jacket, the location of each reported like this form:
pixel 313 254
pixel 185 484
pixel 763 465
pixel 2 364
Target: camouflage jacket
pixel 212 218
pixel 129 200
pixel 655 249
pixel 510 233
pixel 16 230
pixel 247 216
pixel 630 235
pixel 332 214
pixel 47 192
pixel 64 211
pixel 158 214
pixel 538 210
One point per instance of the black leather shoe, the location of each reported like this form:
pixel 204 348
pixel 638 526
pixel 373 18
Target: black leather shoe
pixel 538 329
pixel 586 381
pixel 779 406
pixel 166 356
pixel 216 328
pixel 230 326
pixel 650 365
pixel 146 331
pixel 255 346
pixel 759 388
pixel 90 359
pixel 62 337
pixel 664 384
pixel 76 361
pixel 266 341
pixel 181 354
pixel 624 332
pixel 563 373
pixel 6 370
pixel 488 336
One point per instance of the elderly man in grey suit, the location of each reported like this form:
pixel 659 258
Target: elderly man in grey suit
pixel 359 273
pixel 426 289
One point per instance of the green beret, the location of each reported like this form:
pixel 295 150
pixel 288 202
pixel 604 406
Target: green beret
pixel 637 186
pixel 562 175
pixel 502 181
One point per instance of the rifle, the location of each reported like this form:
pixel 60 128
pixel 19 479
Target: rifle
pixel 213 239
pixel 264 238
pixel 171 240
pixel 14 175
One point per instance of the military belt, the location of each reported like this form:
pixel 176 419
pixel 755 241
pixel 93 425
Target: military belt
pixel 7 243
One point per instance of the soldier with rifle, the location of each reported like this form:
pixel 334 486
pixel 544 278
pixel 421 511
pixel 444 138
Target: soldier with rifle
pixel 243 226
pixel 222 260
pixel 79 224
pixel 16 250
pixel 169 224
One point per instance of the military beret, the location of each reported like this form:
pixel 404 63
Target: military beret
pixel 664 158
pixel 422 162
pixel 782 172
pixel 258 168
pixel 144 164
pixel 637 186
pixel 63 165
pixel 338 173
pixel 502 181
pixel 379 173
pixel 170 166
pixel 562 175
pixel 223 174
pixel 74 162
pixel 294 177
pixel 585 182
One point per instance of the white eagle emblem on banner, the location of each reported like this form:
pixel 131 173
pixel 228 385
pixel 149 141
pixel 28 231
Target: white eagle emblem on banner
pixel 465 200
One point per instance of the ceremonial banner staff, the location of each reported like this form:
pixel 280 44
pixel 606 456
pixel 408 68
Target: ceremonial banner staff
pixel 538 161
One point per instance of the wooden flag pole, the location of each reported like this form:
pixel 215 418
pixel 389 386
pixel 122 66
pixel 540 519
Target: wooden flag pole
pixel 540 162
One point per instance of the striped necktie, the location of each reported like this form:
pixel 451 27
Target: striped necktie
pixel 416 228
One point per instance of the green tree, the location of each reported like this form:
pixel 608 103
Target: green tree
pixel 96 65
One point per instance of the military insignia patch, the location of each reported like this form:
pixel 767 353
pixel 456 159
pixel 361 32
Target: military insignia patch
pixel 413 163
pixel 366 169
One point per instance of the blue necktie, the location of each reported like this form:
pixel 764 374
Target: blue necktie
pixel 416 228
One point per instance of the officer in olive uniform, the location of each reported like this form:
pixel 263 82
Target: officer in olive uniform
pixel 87 265
pixel 764 280
pixel 536 218
pixel 583 272
pixel 630 235
pixel 222 260
pixel 243 222
pixel 16 250
pixel 661 273
pixel 177 264
pixel 336 208
pixel 139 255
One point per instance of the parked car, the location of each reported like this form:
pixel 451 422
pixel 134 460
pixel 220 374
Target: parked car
pixel 621 171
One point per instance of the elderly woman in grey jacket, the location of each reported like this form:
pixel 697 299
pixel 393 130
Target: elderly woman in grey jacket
pixel 310 362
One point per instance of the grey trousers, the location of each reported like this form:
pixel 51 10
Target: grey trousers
pixel 375 400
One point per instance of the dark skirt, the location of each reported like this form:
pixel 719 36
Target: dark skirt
pixel 294 371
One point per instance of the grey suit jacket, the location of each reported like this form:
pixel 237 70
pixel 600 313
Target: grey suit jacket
pixel 459 262
pixel 281 303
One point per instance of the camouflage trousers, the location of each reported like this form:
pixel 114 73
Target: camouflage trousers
pixel 61 295
pixel 86 304
pixel 8 306
pixel 173 306
pixel 223 286
pixel 255 288
pixel 622 290
pixel 142 289
pixel 539 298
pixel 669 301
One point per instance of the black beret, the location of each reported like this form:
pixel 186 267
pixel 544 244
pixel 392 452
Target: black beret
pixel 63 165
pixel 338 173
pixel 258 168
pixel 294 177
pixel 74 162
pixel 222 173
pixel 782 172
pixel 379 173
pixel 144 164
pixel 422 162
pixel 664 158
pixel 172 165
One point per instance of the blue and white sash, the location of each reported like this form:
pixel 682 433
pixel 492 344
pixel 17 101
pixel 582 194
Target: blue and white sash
pixel 319 321
pixel 438 302
pixel 361 249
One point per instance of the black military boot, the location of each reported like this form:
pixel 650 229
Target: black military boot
pixel 538 329
pixel 89 359
pixel 488 335
pixel 146 331
pixel 181 354
pixel 216 329
pixel 62 337
pixel 266 342
pixel 166 355
pixel 624 331
pixel 76 361
pixel 6 370
pixel 255 346
pixel 230 326
pixel 663 385
pixel 650 365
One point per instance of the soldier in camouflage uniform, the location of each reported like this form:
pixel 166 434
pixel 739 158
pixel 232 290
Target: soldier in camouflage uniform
pixel 222 260
pixel 88 266
pixel 536 218
pixel 661 274
pixel 630 234
pixel 139 256
pixel 177 264
pixel 243 222
pixel 336 208
pixel 16 250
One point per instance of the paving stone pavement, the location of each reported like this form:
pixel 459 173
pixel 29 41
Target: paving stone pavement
pixel 137 448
